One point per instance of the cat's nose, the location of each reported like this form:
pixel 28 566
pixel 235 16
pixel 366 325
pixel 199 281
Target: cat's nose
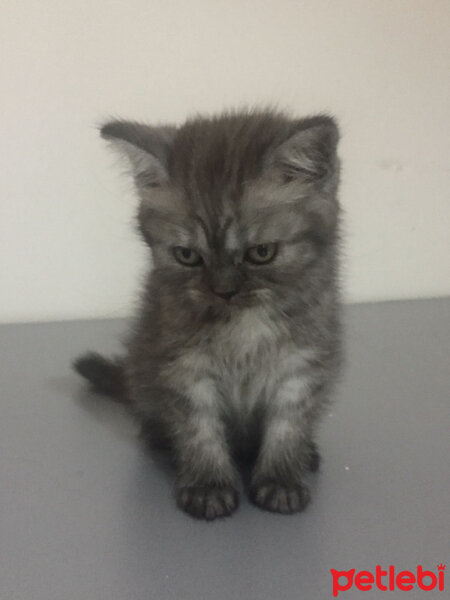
pixel 225 295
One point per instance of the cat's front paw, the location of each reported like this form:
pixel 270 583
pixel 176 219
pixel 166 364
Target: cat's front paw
pixel 208 501
pixel 278 497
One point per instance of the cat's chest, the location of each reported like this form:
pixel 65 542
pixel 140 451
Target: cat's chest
pixel 237 365
pixel 244 356
pixel 244 340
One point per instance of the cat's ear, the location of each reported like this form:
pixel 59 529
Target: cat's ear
pixel 147 148
pixel 309 153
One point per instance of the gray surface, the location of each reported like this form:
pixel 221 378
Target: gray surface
pixel 85 514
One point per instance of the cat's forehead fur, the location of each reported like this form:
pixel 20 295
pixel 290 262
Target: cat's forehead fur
pixel 216 161
pixel 217 155
pixel 215 178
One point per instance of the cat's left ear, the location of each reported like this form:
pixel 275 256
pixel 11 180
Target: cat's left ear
pixel 309 153
pixel 147 148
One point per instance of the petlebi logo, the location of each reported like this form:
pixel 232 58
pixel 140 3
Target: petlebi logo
pixel 388 580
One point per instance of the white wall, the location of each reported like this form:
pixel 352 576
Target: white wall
pixel 67 245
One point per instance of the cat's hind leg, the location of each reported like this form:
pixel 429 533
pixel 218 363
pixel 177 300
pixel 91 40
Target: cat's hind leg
pixel 314 457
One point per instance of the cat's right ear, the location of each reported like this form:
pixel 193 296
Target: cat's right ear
pixel 147 149
pixel 309 154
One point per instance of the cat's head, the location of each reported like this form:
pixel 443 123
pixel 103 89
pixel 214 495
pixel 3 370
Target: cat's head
pixel 236 208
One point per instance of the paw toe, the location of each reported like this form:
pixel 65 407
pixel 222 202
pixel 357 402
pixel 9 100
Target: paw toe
pixel 207 502
pixel 280 498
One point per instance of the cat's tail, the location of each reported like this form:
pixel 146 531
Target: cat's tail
pixel 106 376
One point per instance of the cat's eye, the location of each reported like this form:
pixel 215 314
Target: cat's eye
pixel 261 254
pixel 187 256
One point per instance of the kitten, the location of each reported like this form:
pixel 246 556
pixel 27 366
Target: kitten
pixel 237 342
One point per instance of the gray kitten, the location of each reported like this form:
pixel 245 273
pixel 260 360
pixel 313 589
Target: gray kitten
pixel 237 342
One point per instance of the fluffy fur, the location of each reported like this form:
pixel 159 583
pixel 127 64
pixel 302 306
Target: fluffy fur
pixel 229 358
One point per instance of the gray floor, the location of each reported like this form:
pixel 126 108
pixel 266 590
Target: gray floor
pixel 86 514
